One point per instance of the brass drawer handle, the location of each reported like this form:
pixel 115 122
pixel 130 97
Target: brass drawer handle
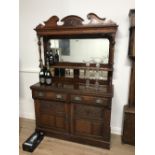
pixel 59 96
pixel 77 98
pixel 40 94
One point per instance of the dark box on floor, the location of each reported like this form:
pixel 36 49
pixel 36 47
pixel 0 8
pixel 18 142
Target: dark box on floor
pixel 33 141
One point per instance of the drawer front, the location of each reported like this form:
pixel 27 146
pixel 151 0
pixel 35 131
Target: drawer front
pixel 49 95
pixel 91 100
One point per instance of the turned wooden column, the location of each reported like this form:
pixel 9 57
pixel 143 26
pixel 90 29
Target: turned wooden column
pixel 39 49
pixel 111 57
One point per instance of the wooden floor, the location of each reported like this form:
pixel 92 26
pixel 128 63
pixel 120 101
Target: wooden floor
pixel 52 146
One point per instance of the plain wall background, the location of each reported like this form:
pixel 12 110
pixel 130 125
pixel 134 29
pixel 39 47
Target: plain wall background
pixel 33 12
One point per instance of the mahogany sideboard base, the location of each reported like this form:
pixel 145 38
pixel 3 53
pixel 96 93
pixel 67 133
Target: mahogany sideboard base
pixel 80 115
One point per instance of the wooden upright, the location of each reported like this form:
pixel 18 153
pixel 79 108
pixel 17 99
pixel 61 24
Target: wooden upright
pixel 128 135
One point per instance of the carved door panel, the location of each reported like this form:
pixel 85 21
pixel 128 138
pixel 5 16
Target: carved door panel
pixel 90 121
pixel 52 114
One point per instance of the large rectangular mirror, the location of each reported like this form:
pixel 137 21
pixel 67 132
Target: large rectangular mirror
pixel 81 50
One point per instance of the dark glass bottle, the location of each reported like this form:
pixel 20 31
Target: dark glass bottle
pixel 51 57
pixel 56 57
pixel 47 55
pixel 42 75
pixel 48 75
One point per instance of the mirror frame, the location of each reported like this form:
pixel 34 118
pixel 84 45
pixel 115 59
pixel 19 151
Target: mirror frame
pixel 70 50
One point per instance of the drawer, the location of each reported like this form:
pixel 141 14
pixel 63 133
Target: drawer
pixel 48 95
pixel 91 100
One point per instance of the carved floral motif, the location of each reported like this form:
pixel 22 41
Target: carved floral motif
pixel 72 21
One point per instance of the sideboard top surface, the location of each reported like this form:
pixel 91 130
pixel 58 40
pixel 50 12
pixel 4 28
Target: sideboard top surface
pixel 102 91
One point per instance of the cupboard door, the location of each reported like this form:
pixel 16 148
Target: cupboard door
pixel 52 114
pixel 90 121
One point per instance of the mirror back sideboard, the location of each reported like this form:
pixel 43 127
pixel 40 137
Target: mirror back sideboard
pixel 68 109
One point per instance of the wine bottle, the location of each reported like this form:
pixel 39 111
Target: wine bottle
pixel 47 54
pixel 56 57
pixel 51 57
pixel 42 75
pixel 48 75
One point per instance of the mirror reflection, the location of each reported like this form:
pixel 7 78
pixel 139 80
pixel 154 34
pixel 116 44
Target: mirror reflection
pixel 81 50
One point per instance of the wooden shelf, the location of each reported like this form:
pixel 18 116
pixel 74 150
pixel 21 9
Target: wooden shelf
pixel 103 67
pixel 75 67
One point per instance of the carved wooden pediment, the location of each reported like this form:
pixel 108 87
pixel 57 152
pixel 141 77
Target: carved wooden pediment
pixel 75 21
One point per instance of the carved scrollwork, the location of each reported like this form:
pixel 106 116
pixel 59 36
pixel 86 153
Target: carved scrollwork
pixel 40 26
pixel 51 22
pixel 72 21
pixel 75 21
pixel 94 19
